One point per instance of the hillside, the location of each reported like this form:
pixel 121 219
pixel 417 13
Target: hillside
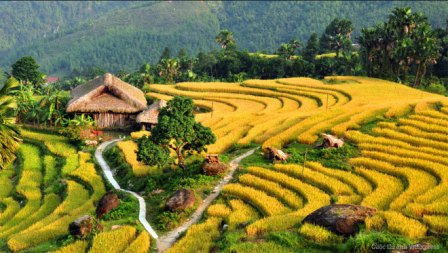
pixel 64 36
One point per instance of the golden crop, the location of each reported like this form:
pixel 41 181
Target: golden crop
pixel 218 210
pixel 241 213
pixel 439 223
pixel 76 247
pixel 129 149
pixel 114 241
pixel 140 244
pixel 318 234
pixel 198 238
pixel 140 134
pixel 315 178
pixel 265 203
pixel 398 223
pixel 273 189
pixel 387 189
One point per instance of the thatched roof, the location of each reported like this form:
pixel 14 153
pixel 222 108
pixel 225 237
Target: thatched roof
pixel 107 94
pixel 151 114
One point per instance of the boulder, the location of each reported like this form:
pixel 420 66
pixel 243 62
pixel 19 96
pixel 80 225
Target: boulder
pixel 342 219
pixel 181 200
pixel 108 202
pixel 81 227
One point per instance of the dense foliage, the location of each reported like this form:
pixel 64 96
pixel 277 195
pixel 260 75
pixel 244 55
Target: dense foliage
pixel 9 133
pixel 405 43
pixel 176 130
pixel 125 36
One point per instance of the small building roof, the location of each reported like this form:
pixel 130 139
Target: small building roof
pixel 107 94
pixel 52 79
pixel 151 114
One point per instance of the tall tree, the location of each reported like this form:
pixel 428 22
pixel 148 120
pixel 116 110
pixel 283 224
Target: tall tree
pixel 337 35
pixel 9 133
pixel 26 70
pixel 288 50
pixel 166 54
pixel 404 43
pixel 178 131
pixel 225 39
pixel 312 48
pixel 169 68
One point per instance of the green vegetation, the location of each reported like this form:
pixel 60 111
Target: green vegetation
pixel 9 133
pixel 121 35
pixel 176 130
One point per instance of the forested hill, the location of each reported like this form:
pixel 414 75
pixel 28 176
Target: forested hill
pixel 63 36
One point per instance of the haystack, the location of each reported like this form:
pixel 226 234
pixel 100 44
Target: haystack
pixel 149 117
pixel 111 102
pixel 331 141
pixel 212 166
pixel 275 155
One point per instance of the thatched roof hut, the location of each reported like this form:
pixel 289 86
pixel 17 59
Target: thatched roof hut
pixel 111 101
pixel 150 115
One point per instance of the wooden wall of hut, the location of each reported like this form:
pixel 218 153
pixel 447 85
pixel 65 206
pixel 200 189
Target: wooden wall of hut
pixel 112 120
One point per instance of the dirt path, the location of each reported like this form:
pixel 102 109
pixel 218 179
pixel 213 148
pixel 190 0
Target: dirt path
pixel 110 177
pixel 165 242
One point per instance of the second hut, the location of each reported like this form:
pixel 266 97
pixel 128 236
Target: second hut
pixel 149 117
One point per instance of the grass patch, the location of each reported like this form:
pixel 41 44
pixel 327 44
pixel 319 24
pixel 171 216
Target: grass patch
pixel 332 157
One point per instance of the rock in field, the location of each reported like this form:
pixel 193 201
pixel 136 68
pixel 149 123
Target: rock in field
pixel 108 202
pixel 82 226
pixel 342 219
pixel 181 200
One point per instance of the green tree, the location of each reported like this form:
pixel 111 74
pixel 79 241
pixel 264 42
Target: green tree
pixel 9 133
pixel 337 36
pixel 151 153
pixel 26 109
pixel 52 106
pixel 225 39
pixel 166 54
pixel 145 74
pixel 178 131
pixel 288 50
pixel 403 44
pixel 312 48
pixel 26 70
pixel 169 68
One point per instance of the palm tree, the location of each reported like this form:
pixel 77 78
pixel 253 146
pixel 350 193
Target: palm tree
pixel 288 50
pixel 225 38
pixel 169 69
pixel 51 106
pixel 9 133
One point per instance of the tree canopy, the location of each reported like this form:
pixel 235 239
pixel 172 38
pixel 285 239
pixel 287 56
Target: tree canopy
pixel 26 70
pixel 176 130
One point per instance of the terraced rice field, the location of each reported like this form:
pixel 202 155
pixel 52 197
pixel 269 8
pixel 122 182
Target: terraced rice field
pixel 401 171
pixel 275 112
pixel 52 186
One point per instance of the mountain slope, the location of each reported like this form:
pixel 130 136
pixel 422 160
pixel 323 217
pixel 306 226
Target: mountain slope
pixel 122 35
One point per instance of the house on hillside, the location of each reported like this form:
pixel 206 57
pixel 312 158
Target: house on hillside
pixel 51 80
pixel 110 101
pixel 149 118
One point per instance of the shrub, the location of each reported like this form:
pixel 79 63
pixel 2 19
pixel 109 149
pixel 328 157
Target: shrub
pixel 436 88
